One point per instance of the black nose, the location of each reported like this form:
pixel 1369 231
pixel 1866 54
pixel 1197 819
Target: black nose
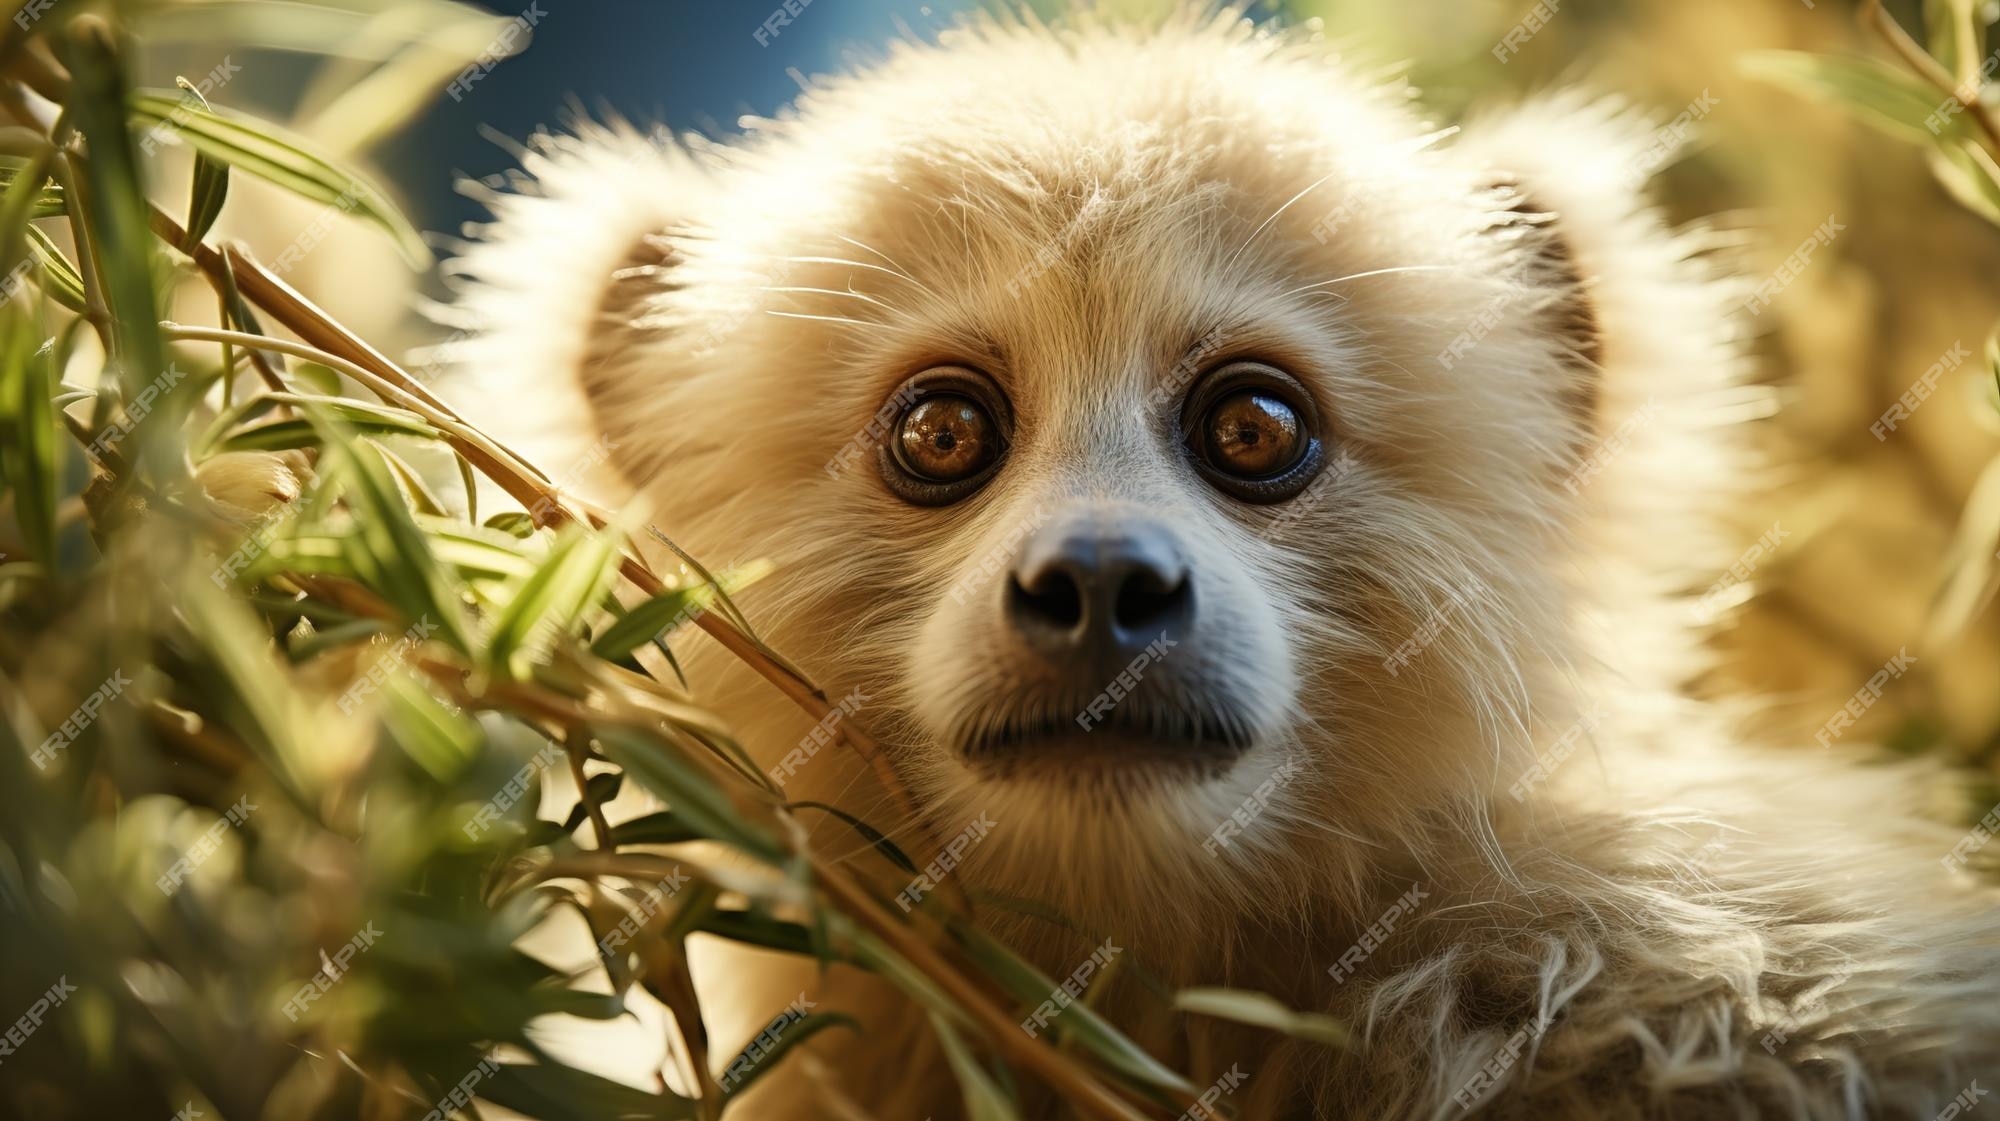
pixel 1102 589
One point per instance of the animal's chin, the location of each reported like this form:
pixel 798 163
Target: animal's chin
pixel 1127 744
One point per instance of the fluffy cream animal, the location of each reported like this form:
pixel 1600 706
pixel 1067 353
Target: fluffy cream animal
pixel 1258 521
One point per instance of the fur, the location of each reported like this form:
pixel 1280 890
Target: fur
pixel 1674 924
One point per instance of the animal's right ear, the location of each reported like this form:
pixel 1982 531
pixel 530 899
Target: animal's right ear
pixel 558 310
pixel 1643 313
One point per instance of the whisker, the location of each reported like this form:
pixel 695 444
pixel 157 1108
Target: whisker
pixel 820 318
pixel 849 294
pixel 1372 272
pixel 1274 217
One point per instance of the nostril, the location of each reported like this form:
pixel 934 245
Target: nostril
pixel 1146 598
pixel 1055 598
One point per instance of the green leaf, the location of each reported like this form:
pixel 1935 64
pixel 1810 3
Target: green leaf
pixel 1262 1010
pixel 269 152
pixel 322 380
pixel 387 549
pixel 59 278
pixel 557 1093
pixel 28 450
pixel 120 234
pixel 661 827
pixel 688 791
pixel 756 1059
pixel 1873 91
pixel 211 183
pixel 1079 1021
pixel 984 1098
pixel 549 602
pixel 600 788
pixel 661 614
pixel 357 416
pixel 868 833
pixel 515 523
pixel 1967 172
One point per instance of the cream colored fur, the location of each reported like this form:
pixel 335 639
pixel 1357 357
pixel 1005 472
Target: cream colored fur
pixel 1074 208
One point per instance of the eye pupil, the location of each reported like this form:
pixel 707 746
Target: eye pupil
pixel 1253 434
pixel 946 438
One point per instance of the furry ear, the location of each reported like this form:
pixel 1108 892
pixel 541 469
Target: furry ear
pixel 1548 263
pixel 561 288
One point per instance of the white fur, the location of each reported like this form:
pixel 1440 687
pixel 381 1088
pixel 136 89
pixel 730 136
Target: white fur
pixel 1072 208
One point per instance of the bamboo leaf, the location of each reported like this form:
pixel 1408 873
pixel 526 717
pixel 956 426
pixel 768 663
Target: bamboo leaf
pixel 568 583
pixel 211 182
pixel 28 463
pixel 269 152
pixel 1873 91
pixel 661 614
pixel 1262 1010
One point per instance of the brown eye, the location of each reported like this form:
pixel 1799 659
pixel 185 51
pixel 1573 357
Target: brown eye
pixel 1252 435
pixel 946 438
pixel 1253 431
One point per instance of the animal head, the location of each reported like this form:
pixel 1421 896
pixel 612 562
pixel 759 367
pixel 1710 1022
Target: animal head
pixel 1180 445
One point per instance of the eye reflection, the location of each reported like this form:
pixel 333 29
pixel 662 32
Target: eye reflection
pixel 946 438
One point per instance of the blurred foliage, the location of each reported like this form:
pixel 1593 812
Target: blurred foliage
pixel 1870 549
pixel 296 760
pixel 277 725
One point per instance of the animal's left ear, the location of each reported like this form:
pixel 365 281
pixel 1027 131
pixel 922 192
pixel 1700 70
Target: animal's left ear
pixel 1640 311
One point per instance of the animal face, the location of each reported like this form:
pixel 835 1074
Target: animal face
pixel 1176 463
